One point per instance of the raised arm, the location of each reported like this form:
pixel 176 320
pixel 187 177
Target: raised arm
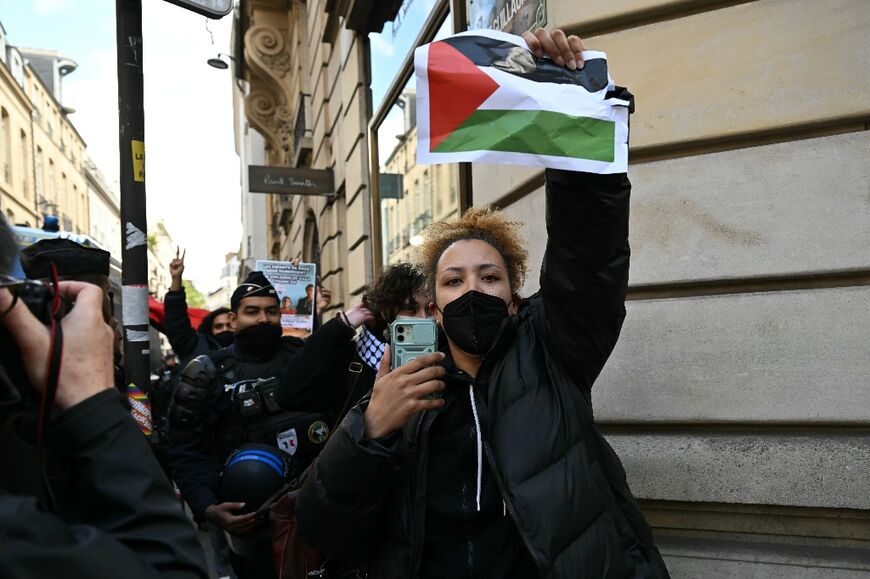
pixel 315 378
pixel 584 276
pixel 182 337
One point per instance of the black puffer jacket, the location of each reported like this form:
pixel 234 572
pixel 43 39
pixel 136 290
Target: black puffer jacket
pixel 561 483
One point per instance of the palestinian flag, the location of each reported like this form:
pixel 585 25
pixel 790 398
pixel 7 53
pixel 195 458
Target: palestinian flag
pixel 483 96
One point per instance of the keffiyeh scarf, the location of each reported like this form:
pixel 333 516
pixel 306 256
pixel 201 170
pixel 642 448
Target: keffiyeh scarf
pixel 369 348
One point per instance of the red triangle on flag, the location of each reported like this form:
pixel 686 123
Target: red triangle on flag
pixel 457 87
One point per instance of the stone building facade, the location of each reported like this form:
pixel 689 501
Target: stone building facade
pixel 738 394
pixel 42 156
pixel 104 208
pixel 306 98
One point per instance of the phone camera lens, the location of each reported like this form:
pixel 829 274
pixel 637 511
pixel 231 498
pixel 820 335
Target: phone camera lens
pixel 400 338
pixel 400 329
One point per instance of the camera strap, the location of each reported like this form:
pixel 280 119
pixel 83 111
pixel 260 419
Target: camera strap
pixel 49 390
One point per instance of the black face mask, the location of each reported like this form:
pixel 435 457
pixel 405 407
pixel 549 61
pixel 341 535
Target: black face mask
pixel 223 339
pixel 473 321
pixel 261 340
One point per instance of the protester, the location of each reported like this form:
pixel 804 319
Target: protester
pixel 484 460
pixel 112 511
pixel 354 360
pixel 215 330
pixel 398 291
pixel 225 400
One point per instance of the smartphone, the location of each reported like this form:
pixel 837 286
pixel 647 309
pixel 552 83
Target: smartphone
pixel 411 338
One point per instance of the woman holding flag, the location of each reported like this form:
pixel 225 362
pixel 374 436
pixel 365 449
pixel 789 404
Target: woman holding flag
pixel 483 460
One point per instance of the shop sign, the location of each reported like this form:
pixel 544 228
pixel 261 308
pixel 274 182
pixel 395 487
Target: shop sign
pixel 390 185
pixel 288 180
pixel 513 16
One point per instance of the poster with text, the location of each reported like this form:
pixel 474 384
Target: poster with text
pixel 295 286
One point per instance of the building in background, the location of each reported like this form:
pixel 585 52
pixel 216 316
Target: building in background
pixel 42 156
pixel 306 105
pixel 161 252
pixel 737 396
pixel 251 149
pixel 51 67
pixel 220 298
pixel 412 196
pixel 104 205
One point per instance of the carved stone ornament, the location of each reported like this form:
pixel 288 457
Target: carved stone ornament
pixel 269 63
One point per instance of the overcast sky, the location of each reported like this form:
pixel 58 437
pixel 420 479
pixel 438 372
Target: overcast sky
pixel 191 166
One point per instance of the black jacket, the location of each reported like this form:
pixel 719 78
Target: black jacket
pixel 323 365
pixel 562 486
pixel 186 342
pixel 120 516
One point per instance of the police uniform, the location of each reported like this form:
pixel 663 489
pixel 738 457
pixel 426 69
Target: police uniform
pixel 227 399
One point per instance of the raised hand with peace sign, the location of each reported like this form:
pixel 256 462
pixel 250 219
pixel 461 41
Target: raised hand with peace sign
pixel 176 269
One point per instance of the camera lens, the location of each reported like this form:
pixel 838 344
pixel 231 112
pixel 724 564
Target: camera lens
pixel 400 329
pixel 400 338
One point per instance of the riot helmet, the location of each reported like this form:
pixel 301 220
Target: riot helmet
pixel 252 474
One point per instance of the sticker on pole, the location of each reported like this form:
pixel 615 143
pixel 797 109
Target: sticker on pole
pixel 138 161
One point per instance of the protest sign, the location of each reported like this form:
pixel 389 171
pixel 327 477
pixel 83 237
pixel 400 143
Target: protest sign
pixel 295 286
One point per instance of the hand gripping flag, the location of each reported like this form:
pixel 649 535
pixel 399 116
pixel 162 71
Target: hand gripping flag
pixel 482 96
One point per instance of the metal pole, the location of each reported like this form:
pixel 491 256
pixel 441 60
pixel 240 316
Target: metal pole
pixel 134 227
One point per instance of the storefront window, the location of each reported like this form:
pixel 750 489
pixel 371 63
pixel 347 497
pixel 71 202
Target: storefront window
pixel 411 196
pixel 513 16
pixel 389 48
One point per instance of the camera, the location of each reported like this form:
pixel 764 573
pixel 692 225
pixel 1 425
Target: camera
pixel 15 388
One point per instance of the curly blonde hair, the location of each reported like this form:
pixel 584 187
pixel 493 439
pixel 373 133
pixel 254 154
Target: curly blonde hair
pixel 483 223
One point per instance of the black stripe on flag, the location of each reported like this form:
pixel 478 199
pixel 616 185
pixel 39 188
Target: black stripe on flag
pixel 513 59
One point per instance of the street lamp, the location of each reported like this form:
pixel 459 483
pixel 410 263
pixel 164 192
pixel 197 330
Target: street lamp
pixel 218 62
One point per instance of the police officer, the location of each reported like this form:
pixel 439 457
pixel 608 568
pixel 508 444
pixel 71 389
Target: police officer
pixel 226 400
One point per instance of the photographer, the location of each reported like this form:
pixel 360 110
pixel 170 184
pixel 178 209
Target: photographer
pixel 113 512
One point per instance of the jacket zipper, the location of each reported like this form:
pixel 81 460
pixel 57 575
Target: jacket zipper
pixel 415 446
pixel 507 503
pixel 510 509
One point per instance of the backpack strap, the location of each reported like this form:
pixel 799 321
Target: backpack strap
pixel 354 370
